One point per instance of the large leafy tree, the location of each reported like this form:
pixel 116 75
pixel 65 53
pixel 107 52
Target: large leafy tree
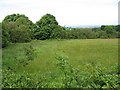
pixel 58 33
pixel 19 27
pixel 45 26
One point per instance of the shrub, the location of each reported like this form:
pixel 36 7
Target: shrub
pixel 19 28
pixel 57 33
pixel 5 38
pixel 20 36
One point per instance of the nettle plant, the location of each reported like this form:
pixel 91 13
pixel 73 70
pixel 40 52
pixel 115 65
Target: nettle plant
pixel 66 77
pixel 70 74
pixel 29 53
pixel 99 77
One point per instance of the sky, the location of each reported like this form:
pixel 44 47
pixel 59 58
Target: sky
pixel 67 12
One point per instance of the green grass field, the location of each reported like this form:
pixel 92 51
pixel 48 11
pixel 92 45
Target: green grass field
pixel 95 60
pixel 80 53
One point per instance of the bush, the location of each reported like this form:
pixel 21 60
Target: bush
pixel 5 38
pixel 20 36
pixel 66 77
pixel 19 28
pixel 57 33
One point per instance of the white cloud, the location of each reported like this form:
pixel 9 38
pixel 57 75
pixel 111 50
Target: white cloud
pixel 67 12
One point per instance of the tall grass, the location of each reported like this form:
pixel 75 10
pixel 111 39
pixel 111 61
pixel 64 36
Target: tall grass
pixel 87 56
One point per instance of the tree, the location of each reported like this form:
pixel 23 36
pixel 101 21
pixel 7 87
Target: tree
pixel 5 37
pixel 102 27
pixel 45 26
pixel 19 27
pixel 102 34
pixel 58 32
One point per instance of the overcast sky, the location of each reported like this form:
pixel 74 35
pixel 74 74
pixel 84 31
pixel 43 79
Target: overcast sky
pixel 67 12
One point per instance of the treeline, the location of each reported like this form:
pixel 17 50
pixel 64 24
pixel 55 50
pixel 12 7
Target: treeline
pixel 105 31
pixel 18 28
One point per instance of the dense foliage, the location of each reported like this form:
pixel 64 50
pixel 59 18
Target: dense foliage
pixel 92 33
pixel 69 77
pixel 18 28
pixel 4 37
pixel 0 35
pixel 45 27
